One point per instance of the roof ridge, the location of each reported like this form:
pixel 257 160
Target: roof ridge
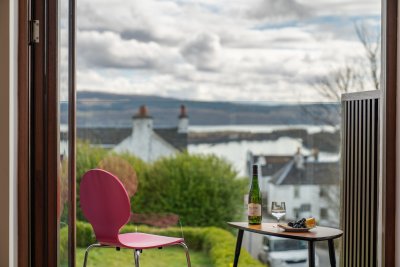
pixel 284 172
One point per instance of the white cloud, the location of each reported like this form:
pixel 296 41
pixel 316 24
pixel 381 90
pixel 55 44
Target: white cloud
pixel 279 9
pixel 203 51
pixel 265 50
pixel 108 50
pixel 346 7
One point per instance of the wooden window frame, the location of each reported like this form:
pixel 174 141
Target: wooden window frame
pixel 38 136
pixel 387 208
pixel 39 162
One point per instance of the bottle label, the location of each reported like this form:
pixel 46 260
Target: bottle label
pixel 254 209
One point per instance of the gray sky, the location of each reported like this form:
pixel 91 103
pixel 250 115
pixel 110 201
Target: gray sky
pixel 265 50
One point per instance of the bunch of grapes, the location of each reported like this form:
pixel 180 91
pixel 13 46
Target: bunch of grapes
pixel 298 224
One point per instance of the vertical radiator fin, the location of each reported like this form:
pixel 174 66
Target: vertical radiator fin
pixel 360 162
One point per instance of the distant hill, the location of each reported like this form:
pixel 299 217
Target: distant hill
pixel 116 110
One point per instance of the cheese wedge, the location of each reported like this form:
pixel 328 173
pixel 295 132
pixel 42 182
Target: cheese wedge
pixel 311 223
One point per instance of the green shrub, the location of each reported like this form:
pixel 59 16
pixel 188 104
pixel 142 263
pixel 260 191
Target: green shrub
pixel 89 157
pixel 219 244
pixel 64 245
pixel 202 189
pixel 84 234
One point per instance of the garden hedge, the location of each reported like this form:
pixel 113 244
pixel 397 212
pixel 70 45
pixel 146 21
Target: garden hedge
pixel 217 243
pixel 203 190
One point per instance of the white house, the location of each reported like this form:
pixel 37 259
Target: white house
pixel 308 186
pixel 142 140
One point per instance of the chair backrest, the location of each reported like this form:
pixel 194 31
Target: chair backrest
pixel 105 204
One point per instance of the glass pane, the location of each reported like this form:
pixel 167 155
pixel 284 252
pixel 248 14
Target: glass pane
pixel 180 98
pixel 63 75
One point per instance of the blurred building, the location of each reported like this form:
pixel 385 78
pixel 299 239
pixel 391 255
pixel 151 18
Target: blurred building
pixel 308 185
pixel 142 140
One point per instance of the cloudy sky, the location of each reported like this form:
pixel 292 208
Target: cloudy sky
pixel 236 50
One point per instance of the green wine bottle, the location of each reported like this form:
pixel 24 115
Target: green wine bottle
pixel 255 201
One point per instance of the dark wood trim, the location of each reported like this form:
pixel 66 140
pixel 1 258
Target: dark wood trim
pixel 45 137
pixel 52 125
pixel 23 135
pixel 389 133
pixel 72 134
pixel 39 138
pixel 38 179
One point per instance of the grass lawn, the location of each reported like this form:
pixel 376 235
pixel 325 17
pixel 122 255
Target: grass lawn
pixel 166 257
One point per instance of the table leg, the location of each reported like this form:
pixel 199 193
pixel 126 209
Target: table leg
pixel 332 256
pixel 311 254
pixel 238 247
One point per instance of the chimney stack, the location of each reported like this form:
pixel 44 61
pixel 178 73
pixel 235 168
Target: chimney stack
pixel 142 113
pixel 183 123
pixel 315 153
pixel 142 123
pixel 299 159
pixel 142 132
pixel 183 113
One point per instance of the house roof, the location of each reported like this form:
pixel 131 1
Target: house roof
pixel 114 136
pixel 311 173
pixel 271 164
pixel 171 135
pixel 103 135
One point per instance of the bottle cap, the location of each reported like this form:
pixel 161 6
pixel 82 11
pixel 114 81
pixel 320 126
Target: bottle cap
pixel 255 169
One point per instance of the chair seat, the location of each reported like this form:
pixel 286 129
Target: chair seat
pixel 144 241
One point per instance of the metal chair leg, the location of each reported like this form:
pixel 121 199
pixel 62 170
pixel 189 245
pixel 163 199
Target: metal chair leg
pixel 187 253
pixel 87 252
pixel 136 255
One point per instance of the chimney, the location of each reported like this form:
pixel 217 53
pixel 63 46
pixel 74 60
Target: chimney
pixel 142 113
pixel 142 122
pixel 183 113
pixel 315 153
pixel 183 123
pixel 299 159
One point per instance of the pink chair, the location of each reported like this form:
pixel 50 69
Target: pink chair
pixel 105 204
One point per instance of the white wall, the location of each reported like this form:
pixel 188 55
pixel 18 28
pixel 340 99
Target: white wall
pixel 160 148
pixel 8 116
pixel 308 194
pixel 145 143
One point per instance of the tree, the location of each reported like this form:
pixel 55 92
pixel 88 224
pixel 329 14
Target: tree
pixel 353 76
pixel 371 46
pixel 123 170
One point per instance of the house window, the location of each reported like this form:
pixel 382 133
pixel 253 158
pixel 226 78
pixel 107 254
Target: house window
pixel 305 207
pixel 324 213
pixel 296 212
pixel 322 192
pixel 296 192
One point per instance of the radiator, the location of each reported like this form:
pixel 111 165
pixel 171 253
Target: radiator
pixel 359 194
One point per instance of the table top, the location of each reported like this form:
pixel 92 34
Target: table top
pixel 316 234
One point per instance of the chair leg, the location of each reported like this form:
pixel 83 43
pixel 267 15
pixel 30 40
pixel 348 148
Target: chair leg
pixel 87 252
pixel 187 253
pixel 136 255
